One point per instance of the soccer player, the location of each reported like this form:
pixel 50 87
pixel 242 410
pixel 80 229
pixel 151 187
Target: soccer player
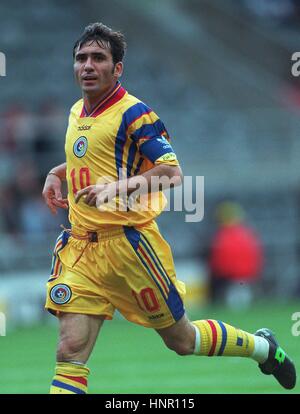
pixel 116 258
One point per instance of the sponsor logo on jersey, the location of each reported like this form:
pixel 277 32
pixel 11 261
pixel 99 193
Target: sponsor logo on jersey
pixel 60 294
pixel 164 141
pixel 84 128
pixel 157 316
pixel 80 147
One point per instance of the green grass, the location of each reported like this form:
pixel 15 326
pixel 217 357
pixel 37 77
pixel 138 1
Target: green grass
pixel 131 359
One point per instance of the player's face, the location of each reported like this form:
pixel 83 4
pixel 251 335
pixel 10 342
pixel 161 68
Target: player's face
pixel 94 69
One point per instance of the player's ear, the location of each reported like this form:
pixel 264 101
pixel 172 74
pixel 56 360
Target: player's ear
pixel 118 69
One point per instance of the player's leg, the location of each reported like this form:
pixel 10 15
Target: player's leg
pixel 75 296
pixel 77 337
pixel 216 338
pixel 211 338
pixel 180 337
pixel 144 288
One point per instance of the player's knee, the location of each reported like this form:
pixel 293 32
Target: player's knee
pixel 70 347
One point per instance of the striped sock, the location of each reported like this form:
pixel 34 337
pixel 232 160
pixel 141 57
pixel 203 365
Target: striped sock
pixel 220 339
pixel 70 378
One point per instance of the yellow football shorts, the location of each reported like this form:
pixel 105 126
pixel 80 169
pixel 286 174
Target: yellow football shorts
pixel 130 269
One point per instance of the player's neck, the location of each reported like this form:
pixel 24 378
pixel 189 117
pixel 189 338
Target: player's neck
pixel 93 100
pixel 90 102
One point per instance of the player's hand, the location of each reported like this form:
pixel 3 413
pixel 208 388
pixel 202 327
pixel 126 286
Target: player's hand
pixel 52 194
pixel 96 195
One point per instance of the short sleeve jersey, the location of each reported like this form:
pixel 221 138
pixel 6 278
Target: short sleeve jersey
pixel 121 138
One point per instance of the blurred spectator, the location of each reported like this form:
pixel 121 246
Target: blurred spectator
pixel 35 219
pixel 30 142
pixel 297 7
pixel 290 94
pixel 277 10
pixel 235 259
pixel 10 128
pixel 48 135
pixel 9 211
pixel 16 128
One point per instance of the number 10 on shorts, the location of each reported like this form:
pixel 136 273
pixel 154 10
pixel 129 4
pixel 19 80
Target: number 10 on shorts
pixel 147 300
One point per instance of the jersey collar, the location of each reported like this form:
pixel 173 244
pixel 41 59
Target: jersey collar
pixel 113 97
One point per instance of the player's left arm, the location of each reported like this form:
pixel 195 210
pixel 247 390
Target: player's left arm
pixel 172 173
pixel 145 183
pixel 153 144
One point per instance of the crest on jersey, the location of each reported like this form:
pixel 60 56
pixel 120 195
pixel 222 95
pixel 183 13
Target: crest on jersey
pixel 60 294
pixel 80 147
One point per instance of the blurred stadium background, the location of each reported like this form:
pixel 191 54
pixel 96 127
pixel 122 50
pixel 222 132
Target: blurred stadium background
pixel 218 72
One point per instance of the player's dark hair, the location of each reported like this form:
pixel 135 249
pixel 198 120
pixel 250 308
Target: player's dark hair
pixel 103 34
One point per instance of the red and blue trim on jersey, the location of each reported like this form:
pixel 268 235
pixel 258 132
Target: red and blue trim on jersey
pixel 113 97
pixel 149 131
pixel 156 271
pixel 132 114
pixel 131 157
pixel 145 132
pixel 138 167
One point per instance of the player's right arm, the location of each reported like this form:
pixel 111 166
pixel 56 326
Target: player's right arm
pixel 52 188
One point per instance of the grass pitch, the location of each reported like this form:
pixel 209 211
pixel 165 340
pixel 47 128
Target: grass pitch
pixel 131 359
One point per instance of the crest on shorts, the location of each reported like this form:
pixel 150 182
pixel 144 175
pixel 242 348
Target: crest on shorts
pixel 80 147
pixel 60 294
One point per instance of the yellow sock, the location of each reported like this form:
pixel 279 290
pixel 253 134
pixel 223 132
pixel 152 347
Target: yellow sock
pixel 220 339
pixel 70 378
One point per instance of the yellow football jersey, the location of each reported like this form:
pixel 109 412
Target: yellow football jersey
pixel 121 138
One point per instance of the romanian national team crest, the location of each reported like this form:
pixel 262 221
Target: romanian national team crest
pixel 60 294
pixel 80 147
